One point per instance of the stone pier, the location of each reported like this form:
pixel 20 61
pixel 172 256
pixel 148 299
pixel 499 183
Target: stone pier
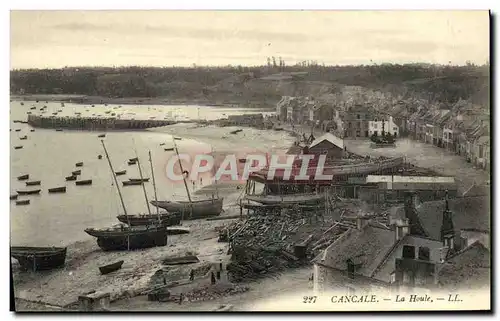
pixel 94 123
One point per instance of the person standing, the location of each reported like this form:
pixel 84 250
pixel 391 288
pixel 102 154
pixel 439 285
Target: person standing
pixel 213 278
pixel 191 275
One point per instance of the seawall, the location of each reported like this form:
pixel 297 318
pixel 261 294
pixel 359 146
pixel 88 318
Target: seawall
pixel 91 123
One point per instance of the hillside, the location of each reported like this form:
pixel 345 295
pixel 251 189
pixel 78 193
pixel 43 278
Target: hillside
pixel 262 85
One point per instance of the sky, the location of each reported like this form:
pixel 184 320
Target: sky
pixel 53 39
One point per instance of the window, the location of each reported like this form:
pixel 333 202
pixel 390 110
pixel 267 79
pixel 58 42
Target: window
pixel 394 128
pixel 375 125
pixel 350 125
pixel 408 252
pixel 424 253
pixel 358 133
pixel 357 116
pixel 376 119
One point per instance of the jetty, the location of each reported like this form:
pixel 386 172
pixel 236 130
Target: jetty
pixel 98 123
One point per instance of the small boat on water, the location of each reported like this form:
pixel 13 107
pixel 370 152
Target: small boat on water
pixel 111 267
pixel 168 149
pixel 167 219
pixel 178 138
pixel 99 156
pixel 162 144
pixel 33 107
pixel 201 208
pixel 33 183
pixel 18 147
pixel 32 130
pixel 13 196
pixel 71 178
pixel 84 182
pixel 23 138
pixel 77 172
pixel 236 131
pixel 18 130
pixel 39 258
pixel 79 164
pixel 101 135
pixel 23 202
pixel 61 189
pixel 59 130
pixel 123 172
pixel 131 162
pixel 130 183
pixel 28 113
pixel 23 177
pixel 29 192
pixel 139 179
pixel 132 159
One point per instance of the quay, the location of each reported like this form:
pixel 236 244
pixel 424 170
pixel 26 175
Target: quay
pixel 95 123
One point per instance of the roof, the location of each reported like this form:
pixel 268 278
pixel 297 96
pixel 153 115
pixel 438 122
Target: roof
pixel 469 267
pixel 478 190
pixel 339 142
pixel 409 179
pixel 367 247
pixel 471 213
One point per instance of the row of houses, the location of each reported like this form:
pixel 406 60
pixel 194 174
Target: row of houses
pixel 464 131
pixel 360 121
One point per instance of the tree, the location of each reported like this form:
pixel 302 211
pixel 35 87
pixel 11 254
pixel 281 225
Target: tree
pixel 274 62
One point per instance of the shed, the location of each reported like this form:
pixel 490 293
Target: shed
pixel 328 144
pixel 96 301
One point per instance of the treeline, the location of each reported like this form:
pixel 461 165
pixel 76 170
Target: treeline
pixel 440 83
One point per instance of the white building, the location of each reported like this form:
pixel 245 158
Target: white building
pixel 375 126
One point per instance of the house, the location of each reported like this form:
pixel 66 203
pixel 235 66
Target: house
pixel 379 125
pixel 329 145
pixel 320 112
pixel 416 125
pixel 356 121
pixel 481 152
pixel 444 140
pixel 281 108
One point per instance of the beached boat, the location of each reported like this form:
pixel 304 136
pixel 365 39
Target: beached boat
pixel 201 208
pixel 59 130
pixel 78 172
pixel 29 192
pixel 71 178
pixel 79 164
pixel 18 147
pixel 14 196
pixel 236 131
pixel 131 183
pixel 178 138
pixel 101 135
pixel 286 199
pixel 33 183
pixel 23 138
pixel 23 202
pixel 84 182
pixel 139 179
pixel 167 219
pixel 111 267
pixel 129 237
pixel 61 189
pixel 23 177
pixel 39 258
pixel 123 172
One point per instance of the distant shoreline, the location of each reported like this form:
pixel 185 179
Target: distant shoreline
pixel 84 99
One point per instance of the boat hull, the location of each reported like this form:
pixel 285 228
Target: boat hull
pixel 119 240
pixel 286 199
pixel 39 258
pixel 138 220
pixel 111 267
pixel 201 209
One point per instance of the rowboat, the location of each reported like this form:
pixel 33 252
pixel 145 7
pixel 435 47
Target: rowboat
pixel 84 182
pixel 32 130
pixel 33 183
pixel 168 149
pixel 99 156
pixel 18 147
pixel 39 258
pixel 101 135
pixel 111 267
pixel 286 199
pixel 23 177
pixel 59 130
pixel 162 144
pixel 29 192
pixel 79 164
pixel 23 138
pixel 200 208
pixel 61 189
pixel 13 196
pixel 123 172
pixel 78 172
pixel 133 159
pixel 129 183
pixel 131 162
pixel 18 130
pixel 71 178
pixel 23 202
pixel 178 138
pixel 138 179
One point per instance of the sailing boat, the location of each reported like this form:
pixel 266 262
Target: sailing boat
pixel 166 219
pixel 197 208
pixel 128 237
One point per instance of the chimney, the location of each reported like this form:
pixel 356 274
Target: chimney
pixel 447 228
pixel 401 228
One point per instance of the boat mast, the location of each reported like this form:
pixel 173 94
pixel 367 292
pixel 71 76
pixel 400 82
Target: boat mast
pixel 143 185
pixel 183 177
pixel 154 186
pixel 119 192
pixel 116 181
